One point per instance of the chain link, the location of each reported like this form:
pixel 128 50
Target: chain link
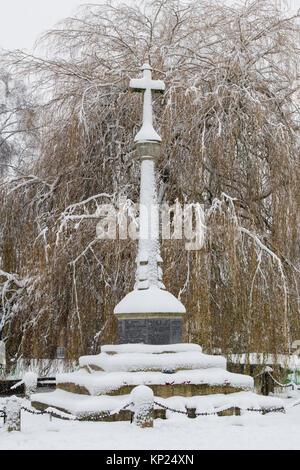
pixel 65 416
pixel 292 384
pixel 208 413
pixel 170 409
pixel 167 408
pixel 33 412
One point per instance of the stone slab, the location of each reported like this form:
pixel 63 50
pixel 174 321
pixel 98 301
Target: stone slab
pixel 150 331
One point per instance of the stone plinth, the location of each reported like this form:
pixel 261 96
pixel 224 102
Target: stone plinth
pixel 150 316
pixel 157 330
pixel 104 383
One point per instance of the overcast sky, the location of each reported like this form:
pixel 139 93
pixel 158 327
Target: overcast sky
pixel 22 21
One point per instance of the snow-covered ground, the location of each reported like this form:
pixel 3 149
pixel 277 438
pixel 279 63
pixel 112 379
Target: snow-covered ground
pixel 249 431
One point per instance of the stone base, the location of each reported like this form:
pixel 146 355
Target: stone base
pixel 105 381
pixel 123 415
pixel 162 391
pixel 150 330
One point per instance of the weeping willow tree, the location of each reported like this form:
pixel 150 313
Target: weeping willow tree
pixel 229 124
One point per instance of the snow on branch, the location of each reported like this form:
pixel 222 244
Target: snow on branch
pixel 11 290
pixel 22 181
pixel 69 214
pixel 13 278
pixel 218 205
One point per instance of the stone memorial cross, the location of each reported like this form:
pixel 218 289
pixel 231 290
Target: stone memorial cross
pixel 147 140
pixel 147 85
pixel 149 314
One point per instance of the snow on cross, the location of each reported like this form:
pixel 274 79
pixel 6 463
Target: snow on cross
pixel 146 84
pixel 149 296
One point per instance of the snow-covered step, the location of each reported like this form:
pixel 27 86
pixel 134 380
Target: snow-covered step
pixel 185 382
pixel 77 404
pixel 88 407
pixel 91 407
pixel 165 361
pixel 208 403
pixel 150 349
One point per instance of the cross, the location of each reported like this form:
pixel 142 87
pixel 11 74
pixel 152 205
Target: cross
pixel 146 84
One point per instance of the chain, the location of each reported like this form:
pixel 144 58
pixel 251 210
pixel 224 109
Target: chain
pixel 167 408
pixel 170 409
pixel 65 416
pixel 126 406
pixel 292 384
pixel 206 413
pixel 220 410
pixel 33 412
pixel 107 414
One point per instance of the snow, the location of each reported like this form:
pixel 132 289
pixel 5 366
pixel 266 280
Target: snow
pixel 138 364
pixel 12 404
pixel 150 348
pixel 104 382
pixel 148 247
pixel 152 300
pixel 144 361
pixel 146 81
pixel 76 404
pixel 142 398
pixel 30 380
pixel 12 408
pixel 273 431
pixel 147 132
pixel 141 393
pixel 209 403
pixel 142 405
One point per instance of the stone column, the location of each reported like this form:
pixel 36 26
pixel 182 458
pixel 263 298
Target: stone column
pixel 149 261
pixel 149 314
